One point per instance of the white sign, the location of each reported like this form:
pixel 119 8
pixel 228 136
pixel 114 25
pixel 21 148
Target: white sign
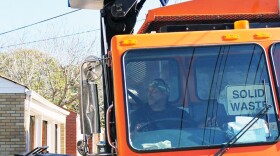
pixel 86 4
pixel 249 99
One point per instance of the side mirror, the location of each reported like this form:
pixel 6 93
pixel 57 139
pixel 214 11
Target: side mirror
pixel 91 71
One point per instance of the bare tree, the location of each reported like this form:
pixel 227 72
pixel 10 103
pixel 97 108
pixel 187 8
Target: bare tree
pixel 47 59
pixel 51 68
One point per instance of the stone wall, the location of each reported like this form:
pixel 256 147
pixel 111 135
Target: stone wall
pixel 12 134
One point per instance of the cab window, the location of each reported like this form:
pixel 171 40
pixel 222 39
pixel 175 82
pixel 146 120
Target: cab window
pixel 140 72
pixel 275 55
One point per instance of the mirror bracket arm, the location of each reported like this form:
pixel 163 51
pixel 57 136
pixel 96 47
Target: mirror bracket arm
pixel 108 116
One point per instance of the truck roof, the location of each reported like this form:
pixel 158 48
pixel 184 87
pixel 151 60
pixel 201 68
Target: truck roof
pixel 209 12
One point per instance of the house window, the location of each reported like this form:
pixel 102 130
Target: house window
pixel 31 132
pixel 44 133
pixel 55 139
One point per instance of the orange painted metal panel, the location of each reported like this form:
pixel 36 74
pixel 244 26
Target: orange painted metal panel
pixel 219 7
pixel 213 10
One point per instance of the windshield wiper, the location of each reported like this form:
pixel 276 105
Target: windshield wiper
pixel 232 141
pixel 225 148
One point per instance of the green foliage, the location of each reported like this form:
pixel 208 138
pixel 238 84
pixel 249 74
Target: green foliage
pixel 57 82
pixel 44 74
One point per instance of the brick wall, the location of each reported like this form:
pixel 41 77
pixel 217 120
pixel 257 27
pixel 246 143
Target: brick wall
pixel 71 134
pixel 12 134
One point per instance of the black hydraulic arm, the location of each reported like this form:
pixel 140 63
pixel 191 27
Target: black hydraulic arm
pixel 117 17
pixel 120 16
pixel 120 8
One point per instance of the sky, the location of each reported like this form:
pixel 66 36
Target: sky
pixel 18 13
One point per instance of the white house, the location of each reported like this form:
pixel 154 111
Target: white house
pixel 27 120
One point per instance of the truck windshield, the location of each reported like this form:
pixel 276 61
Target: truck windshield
pixel 185 97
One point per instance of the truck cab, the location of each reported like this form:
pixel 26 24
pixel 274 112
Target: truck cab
pixel 219 62
pixel 222 86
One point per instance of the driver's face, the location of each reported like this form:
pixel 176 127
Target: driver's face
pixel 156 97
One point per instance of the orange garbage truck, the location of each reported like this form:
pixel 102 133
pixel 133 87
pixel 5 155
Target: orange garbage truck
pixel 199 78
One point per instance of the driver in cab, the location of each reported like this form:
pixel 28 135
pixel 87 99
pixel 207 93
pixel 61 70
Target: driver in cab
pixel 158 114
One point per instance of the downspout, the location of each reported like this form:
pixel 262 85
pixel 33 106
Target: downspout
pixel 27 118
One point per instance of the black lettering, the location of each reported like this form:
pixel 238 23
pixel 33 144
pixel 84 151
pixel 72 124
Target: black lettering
pixel 249 94
pixel 251 106
pixel 264 103
pixel 256 94
pixel 235 106
pixel 260 92
pixel 243 94
pixel 244 106
pixel 235 94
pixel 258 102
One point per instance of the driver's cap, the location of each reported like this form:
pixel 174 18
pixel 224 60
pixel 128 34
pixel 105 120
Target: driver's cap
pixel 160 84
